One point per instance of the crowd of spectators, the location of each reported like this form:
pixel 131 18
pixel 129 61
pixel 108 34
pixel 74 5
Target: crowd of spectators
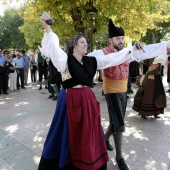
pixel 15 67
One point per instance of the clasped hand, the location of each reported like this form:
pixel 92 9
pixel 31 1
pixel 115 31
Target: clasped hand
pixel 138 46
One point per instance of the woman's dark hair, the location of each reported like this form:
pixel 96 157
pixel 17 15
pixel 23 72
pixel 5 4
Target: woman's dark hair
pixel 72 42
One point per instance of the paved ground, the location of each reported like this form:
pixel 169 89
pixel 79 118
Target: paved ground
pixel 25 117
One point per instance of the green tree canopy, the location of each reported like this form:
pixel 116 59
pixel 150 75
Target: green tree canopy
pixel 135 16
pixel 10 35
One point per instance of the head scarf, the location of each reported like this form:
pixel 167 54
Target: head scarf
pixel 72 42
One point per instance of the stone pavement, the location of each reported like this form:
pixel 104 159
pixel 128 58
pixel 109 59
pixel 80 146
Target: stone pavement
pixel 25 117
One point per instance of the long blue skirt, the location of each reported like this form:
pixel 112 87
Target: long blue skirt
pixel 56 144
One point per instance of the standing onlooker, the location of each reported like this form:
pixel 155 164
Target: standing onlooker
pixel 168 74
pixel 42 69
pixel 12 74
pixel 26 66
pixel 6 54
pixel 134 70
pixel 3 74
pixel 33 68
pixel 13 55
pixel 54 81
pixel 20 65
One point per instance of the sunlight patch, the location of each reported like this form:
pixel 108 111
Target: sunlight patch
pixel 168 154
pixel 132 152
pixel 131 113
pixel 151 162
pixel 37 139
pixel 48 124
pixel 167 122
pixel 12 128
pixel 36 159
pixel 21 103
pixel 2 102
pixel 20 114
pixel 139 136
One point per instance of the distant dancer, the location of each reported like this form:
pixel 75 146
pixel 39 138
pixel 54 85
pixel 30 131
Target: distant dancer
pixel 150 99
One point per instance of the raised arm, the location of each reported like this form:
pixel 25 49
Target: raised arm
pixel 50 46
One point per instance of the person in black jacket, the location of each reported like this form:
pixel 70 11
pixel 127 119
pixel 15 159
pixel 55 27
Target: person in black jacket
pixel 4 72
pixel 33 68
pixel 42 69
pixel 54 81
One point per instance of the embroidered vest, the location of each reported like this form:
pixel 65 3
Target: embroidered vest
pixel 119 72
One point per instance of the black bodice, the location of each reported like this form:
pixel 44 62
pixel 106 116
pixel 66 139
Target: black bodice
pixel 81 73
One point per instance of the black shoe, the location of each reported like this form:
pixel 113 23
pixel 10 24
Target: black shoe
pixel 156 116
pixel 5 93
pixel 22 87
pixel 122 164
pixel 100 80
pixel 50 96
pixel 40 88
pixel 46 87
pixel 144 117
pixel 54 98
pixel 108 146
pixel 94 84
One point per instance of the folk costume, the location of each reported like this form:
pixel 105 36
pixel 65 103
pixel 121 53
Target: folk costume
pixel 75 139
pixel 150 99
pixel 115 87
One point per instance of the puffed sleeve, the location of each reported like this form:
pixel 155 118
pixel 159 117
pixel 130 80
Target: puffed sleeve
pixel 151 51
pixel 50 48
pixel 112 59
pixel 162 59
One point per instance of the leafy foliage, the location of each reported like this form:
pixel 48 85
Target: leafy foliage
pixel 10 35
pixel 138 18
pixel 135 16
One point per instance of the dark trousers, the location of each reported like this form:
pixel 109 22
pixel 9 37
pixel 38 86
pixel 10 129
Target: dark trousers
pixel 3 82
pixel 42 71
pixel 50 88
pixel 20 76
pixel 33 75
pixel 116 103
pixel 129 82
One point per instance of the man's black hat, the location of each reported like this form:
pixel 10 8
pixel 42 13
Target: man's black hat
pixel 115 31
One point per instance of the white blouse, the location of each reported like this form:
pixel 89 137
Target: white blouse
pixel 50 48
